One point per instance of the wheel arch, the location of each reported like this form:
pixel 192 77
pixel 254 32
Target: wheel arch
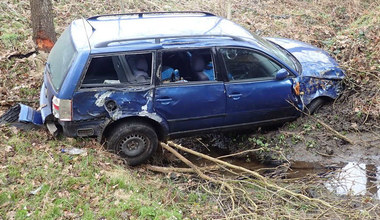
pixel 159 128
pixel 325 98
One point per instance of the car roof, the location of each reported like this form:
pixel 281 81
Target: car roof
pixel 149 30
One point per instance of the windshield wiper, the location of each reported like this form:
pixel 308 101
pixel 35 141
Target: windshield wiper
pixel 48 67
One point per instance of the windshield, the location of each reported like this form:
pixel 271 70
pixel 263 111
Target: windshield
pixel 281 53
pixel 60 59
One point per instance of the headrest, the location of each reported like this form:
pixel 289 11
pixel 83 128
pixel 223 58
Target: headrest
pixel 141 64
pixel 198 64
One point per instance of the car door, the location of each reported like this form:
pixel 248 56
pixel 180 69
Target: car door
pixel 188 94
pixel 113 87
pixel 253 95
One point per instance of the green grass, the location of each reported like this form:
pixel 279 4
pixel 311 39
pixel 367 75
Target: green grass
pixel 90 186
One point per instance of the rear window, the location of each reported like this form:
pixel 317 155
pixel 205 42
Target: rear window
pixel 60 59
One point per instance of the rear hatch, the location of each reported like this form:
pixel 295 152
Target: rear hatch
pixel 58 65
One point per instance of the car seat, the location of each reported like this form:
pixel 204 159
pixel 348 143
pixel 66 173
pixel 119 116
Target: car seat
pixel 141 70
pixel 198 66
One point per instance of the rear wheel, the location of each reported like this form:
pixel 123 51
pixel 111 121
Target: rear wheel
pixel 314 106
pixel 136 142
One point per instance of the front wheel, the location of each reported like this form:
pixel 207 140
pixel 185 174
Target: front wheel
pixel 314 106
pixel 136 142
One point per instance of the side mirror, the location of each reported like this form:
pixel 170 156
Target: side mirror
pixel 282 74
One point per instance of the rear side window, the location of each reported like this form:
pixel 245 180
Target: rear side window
pixel 242 64
pixel 119 69
pixel 60 59
pixel 180 66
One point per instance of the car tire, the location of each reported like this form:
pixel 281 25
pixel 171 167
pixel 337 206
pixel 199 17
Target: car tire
pixel 135 142
pixel 314 106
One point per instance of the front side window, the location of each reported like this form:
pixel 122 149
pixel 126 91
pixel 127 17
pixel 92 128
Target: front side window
pixel 242 64
pixel 182 66
pixel 119 69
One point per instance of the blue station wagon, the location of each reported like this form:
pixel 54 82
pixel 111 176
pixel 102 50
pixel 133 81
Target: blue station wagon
pixel 133 80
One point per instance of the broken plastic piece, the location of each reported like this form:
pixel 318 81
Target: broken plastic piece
pixel 34 192
pixel 22 116
pixel 74 151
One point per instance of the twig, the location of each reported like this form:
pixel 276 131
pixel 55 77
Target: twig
pixel 341 136
pixel 369 108
pixel 324 155
pixel 179 170
pixel 204 145
pixel 238 153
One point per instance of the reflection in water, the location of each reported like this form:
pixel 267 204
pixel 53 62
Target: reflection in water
pixel 355 179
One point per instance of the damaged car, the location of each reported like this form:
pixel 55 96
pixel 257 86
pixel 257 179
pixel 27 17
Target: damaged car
pixel 132 80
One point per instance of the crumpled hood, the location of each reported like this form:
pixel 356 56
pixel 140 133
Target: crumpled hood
pixel 315 61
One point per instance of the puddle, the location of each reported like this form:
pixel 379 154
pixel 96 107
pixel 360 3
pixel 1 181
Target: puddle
pixel 350 178
pixel 355 179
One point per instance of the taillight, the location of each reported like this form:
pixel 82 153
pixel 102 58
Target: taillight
pixel 62 109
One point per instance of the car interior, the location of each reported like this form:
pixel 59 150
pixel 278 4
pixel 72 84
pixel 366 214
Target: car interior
pixel 129 69
pixel 187 66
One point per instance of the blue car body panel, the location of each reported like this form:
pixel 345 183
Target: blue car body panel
pixel 191 106
pixel 249 102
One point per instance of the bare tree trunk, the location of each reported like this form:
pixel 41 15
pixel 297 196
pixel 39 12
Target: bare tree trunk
pixel 44 35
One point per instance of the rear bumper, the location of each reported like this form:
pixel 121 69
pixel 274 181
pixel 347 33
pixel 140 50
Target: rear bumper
pixel 90 128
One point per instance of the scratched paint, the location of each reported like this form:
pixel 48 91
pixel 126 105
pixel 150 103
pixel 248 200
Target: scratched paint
pixel 100 99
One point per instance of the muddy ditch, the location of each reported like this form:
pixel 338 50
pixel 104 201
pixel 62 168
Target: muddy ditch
pixel 340 176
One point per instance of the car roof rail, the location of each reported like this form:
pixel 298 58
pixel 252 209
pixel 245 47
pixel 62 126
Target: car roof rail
pixel 157 40
pixel 141 14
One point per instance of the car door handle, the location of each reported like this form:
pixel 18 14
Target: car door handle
pixel 164 101
pixel 235 96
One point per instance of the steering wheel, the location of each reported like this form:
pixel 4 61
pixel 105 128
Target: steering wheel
pixel 231 54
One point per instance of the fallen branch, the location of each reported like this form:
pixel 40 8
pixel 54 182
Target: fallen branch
pixel 239 153
pixel 200 173
pixel 195 168
pixel 253 173
pixel 179 170
pixel 341 136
